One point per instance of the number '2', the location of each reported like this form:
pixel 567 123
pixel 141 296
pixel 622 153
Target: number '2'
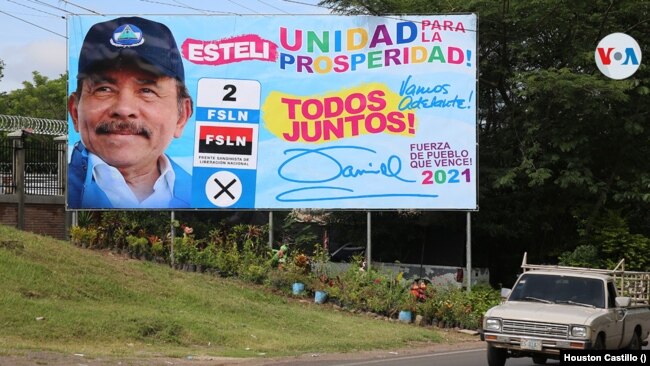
pixel 229 97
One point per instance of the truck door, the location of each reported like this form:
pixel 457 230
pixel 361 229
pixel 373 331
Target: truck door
pixel 616 320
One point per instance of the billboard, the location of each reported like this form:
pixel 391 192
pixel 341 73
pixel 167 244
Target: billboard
pixel 331 112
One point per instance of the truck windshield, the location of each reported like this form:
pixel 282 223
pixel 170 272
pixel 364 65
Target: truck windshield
pixel 558 289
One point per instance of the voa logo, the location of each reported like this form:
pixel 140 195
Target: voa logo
pixel 618 56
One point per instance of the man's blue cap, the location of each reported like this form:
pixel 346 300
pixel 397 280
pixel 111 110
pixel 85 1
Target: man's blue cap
pixel 148 44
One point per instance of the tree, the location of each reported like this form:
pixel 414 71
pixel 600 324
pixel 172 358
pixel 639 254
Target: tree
pixel 42 98
pixel 561 145
pixel 613 241
pixel 2 66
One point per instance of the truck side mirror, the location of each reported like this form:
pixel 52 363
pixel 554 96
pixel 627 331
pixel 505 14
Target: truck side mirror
pixel 622 301
pixel 505 292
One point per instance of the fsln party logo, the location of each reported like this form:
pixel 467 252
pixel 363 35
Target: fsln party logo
pixel 618 56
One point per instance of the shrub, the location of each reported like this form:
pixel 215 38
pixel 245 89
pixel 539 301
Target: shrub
pixel 378 292
pixel 138 246
pixel 184 249
pixel 253 266
pixel 158 248
pixel 115 226
pixel 206 257
pixel 430 308
pixel 243 252
pixel 83 236
pixel 408 302
pixel 227 261
pixel 352 285
pixel 457 307
pixel 387 294
pixel 254 273
pixel 481 299
pixel 249 237
pixel 85 218
pixel 281 279
pixel 444 299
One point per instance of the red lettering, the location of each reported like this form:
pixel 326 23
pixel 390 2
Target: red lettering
pixel 604 57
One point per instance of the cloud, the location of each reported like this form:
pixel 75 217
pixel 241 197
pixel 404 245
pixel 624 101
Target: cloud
pixel 46 57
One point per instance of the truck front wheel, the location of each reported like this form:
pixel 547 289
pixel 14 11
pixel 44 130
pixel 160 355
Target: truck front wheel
pixel 496 356
pixel 600 342
pixel 635 343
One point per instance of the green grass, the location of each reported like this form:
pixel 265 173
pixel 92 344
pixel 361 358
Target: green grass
pixel 101 304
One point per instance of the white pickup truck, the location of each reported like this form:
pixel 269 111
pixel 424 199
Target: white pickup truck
pixel 554 308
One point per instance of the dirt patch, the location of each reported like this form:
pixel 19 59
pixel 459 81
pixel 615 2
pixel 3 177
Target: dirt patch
pixel 453 340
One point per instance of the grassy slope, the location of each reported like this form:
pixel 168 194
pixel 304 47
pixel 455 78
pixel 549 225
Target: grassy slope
pixel 97 303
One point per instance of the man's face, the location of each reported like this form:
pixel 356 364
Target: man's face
pixel 128 117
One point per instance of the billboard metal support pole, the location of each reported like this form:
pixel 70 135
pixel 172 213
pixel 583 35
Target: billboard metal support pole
pixel 469 251
pixel 368 241
pixel 271 229
pixel 173 232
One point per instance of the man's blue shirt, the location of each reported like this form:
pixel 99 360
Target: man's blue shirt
pixel 84 192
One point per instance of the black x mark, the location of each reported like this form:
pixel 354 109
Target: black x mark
pixel 224 189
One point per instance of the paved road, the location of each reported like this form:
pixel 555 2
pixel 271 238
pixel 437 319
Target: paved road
pixel 469 354
pixel 473 357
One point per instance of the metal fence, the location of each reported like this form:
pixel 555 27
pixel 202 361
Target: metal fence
pixel 43 170
pixel 33 164
pixel 7 178
pixel 40 126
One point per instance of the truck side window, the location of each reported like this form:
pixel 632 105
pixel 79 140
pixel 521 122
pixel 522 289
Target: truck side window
pixel 590 291
pixel 611 295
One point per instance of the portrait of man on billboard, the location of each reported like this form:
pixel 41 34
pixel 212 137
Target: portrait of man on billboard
pixel 130 102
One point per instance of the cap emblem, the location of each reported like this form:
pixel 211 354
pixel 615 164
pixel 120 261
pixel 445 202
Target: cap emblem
pixel 127 35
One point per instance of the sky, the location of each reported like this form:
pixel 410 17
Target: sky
pixel 33 32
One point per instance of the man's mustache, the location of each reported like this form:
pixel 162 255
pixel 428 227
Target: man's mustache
pixel 122 127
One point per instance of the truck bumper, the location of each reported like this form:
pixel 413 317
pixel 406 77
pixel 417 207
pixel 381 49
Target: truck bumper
pixel 530 345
